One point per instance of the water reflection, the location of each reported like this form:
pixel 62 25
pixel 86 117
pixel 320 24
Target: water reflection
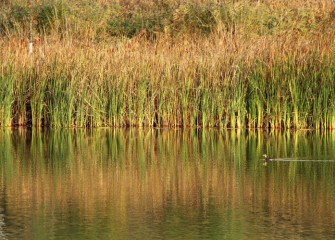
pixel 116 184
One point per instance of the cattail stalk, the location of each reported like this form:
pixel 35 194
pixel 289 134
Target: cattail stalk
pixel 30 30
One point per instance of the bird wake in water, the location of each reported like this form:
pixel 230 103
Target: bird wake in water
pixel 267 159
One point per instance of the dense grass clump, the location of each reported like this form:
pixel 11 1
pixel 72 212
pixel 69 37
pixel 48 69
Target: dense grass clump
pixel 242 64
pixel 13 19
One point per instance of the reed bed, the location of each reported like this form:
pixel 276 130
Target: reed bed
pixel 237 64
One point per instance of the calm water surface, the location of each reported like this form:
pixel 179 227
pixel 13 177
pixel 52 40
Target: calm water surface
pixel 152 184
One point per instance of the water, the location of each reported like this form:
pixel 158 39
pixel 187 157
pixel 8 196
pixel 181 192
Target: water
pixel 153 184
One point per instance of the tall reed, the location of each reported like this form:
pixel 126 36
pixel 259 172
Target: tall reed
pixel 229 65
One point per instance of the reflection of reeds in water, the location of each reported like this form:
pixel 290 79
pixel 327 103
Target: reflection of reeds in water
pixel 167 174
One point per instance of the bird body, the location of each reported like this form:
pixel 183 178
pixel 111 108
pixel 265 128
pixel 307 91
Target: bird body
pixel 266 159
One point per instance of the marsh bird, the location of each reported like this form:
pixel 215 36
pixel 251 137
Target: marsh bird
pixel 266 159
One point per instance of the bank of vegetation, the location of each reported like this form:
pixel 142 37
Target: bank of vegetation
pixel 164 63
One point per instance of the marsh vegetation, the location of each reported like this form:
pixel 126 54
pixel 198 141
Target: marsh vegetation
pixel 232 64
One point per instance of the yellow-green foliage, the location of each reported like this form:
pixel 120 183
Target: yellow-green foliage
pixel 174 63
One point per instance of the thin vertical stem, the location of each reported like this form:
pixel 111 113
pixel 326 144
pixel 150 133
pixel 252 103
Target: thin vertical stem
pixel 30 30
